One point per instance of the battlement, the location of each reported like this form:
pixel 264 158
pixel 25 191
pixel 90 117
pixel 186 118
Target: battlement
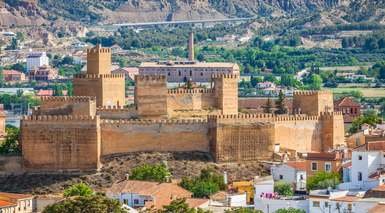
pixel 68 99
pixel 310 92
pixel 98 76
pixel 330 115
pixel 268 117
pixel 61 118
pixel 151 122
pixel 150 78
pixel 226 76
pixel 98 49
pixel 189 91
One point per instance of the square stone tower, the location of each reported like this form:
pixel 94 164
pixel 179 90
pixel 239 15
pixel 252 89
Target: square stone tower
pixel 312 102
pixel 109 89
pixel 226 92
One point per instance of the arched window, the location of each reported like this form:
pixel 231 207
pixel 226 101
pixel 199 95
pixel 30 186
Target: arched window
pixel 359 176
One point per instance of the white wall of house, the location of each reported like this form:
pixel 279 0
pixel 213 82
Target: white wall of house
pixel 237 200
pixel 300 183
pixel 263 187
pixel 283 172
pixel 131 199
pixel 270 205
pixel 36 62
pixel 321 205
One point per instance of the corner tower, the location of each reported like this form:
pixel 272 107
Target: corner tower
pixel 312 102
pixel 109 89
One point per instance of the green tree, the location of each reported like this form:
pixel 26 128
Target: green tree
pixel 157 172
pixel 243 210
pixel 290 210
pixel 323 180
pixel 315 82
pixel 369 117
pixel 283 188
pixel 180 206
pixel 280 104
pixel 204 185
pixel 14 44
pixel 80 189
pixel 86 204
pixel 11 143
pixel 268 107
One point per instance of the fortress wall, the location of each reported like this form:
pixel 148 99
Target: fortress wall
pixel 242 142
pixel 163 135
pixel 333 131
pixel 194 99
pixel 54 143
pixel 113 91
pixel 299 135
pixel 66 105
pixel 117 113
pixel 312 102
pixel 88 87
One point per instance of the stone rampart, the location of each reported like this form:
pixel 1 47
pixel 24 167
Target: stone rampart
pixel 66 105
pixel 124 136
pixel 55 143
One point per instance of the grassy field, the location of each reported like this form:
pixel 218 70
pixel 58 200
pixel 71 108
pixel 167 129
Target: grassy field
pixel 367 92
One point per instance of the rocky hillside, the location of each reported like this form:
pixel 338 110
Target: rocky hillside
pixel 26 12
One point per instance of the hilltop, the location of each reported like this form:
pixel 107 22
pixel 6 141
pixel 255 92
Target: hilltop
pixel 31 12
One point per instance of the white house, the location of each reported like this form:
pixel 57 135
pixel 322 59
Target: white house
pixel 321 201
pixel 263 186
pixel 366 171
pixel 36 60
pixel 272 205
pixel 292 172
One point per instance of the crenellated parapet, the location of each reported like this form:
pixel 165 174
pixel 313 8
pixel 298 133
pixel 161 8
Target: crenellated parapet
pixel 144 122
pixel 150 78
pixel 59 118
pixel 98 76
pixel 98 50
pixel 310 92
pixel 261 117
pixel 67 99
pixel 190 91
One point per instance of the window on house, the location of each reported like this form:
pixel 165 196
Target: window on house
pixel 201 73
pixel 328 166
pixel 280 177
pixel 359 157
pixel 359 176
pixel 125 201
pixel 350 206
pixel 326 204
pixel 168 73
pixel 190 73
pixel 301 177
pixel 179 73
pixel 136 201
pixel 314 166
pixel 316 204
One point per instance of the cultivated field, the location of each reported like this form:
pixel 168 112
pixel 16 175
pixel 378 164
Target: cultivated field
pixel 367 92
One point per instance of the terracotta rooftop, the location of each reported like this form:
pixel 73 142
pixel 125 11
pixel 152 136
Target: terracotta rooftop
pixel 320 156
pixel 346 199
pixel 163 193
pixel 196 202
pixel 347 164
pixel 197 64
pixel 346 102
pixel 375 146
pixel 298 165
pixel 4 204
pixel 14 195
pixel 379 208
pixel 11 72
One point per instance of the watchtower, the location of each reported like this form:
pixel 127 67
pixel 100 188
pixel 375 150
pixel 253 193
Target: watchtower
pixel 226 92
pixel 312 102
pixel 109 89
pixel 151 96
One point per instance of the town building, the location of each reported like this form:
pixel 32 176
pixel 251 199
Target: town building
pixel 43 73
pixel 322 162
pixel 366 171
pixel 128 72
pixel 145 194
pixel 349 108
pixel 183 71
pixel 292 172
pixel 13 76
pixel 15 203
pixel 36 60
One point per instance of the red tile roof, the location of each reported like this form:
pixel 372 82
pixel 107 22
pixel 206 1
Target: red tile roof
pixel 346 102
pixel 298 165
pixel 13 72
pixel 196 202
pixel 321 156
pixel 15 196
pixel 346 199
pixel 45 92
pixel 4 204
pixel 375 146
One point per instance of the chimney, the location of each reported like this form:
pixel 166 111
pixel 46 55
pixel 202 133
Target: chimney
pixel 191 47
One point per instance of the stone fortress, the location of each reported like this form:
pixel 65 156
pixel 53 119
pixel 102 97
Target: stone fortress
pixel 74 133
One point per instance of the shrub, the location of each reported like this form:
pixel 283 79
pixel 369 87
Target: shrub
pixel 290 210
pixel 204 185
pixel 323 180
pixel 283 188
pixel 157 172
pixel 80 189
